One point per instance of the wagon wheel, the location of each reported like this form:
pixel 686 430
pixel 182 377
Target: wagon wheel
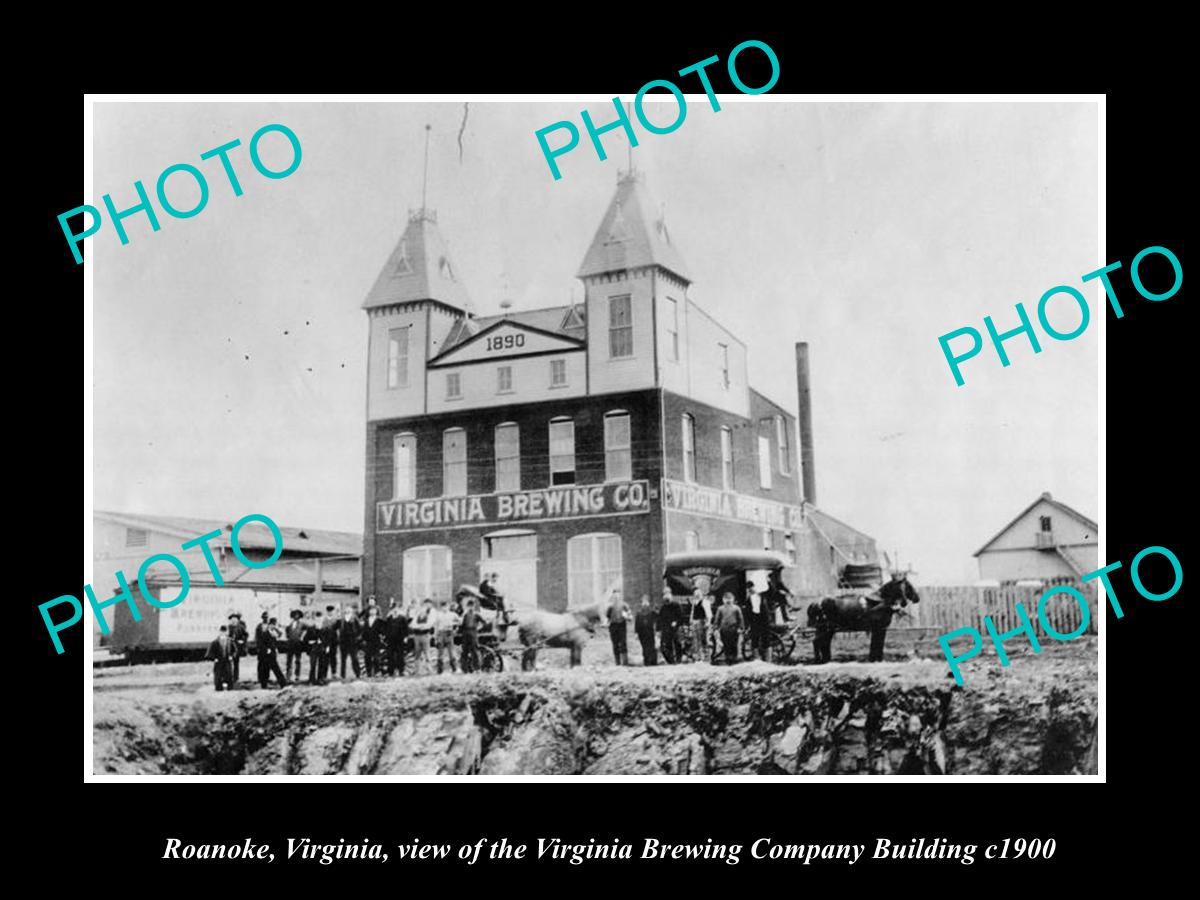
pixel 490 659
pixel 785 644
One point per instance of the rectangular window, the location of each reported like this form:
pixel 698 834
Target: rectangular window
pixel 724 360
pixel 404 467
pixel 558 372
pixel 618 455
pixel 768 539
pixel 789 548
pixel 508 458
pixel 1045 523
pixel 593 568
pixel 689 448
pixel 672 329
pixel 453 386
pixel 454 462
pixel 562 452
pixel 135 537
pixel 785 449
pixel 727 459
pixel 620 326
pixel 691 541
pixel 427 574
pixel 504 380
pixel 764 462
pixel 397 372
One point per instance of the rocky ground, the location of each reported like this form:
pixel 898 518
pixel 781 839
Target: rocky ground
pixel 905 715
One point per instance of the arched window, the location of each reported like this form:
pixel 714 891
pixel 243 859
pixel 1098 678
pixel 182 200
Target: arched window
pixel 593 568
pixel 689 448
pixel 454 462
pixel 404 467
pixel 618 454
pixel 508 457
pixel 426 573
pixel 562 451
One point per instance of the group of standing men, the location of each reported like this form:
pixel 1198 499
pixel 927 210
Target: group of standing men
pixel 363 642
pixel 698 626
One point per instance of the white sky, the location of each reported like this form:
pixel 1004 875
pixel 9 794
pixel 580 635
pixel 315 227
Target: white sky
pixel 867 230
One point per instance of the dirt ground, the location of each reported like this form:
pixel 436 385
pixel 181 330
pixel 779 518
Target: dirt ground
pixel 902 715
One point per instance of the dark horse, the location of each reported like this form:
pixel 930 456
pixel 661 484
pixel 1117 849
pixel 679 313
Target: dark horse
pixel 855 612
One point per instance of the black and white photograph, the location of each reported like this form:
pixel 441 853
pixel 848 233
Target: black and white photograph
pixel 424 446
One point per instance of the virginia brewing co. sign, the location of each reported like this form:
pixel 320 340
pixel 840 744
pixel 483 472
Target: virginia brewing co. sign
pixel 571 502
pixel 692 498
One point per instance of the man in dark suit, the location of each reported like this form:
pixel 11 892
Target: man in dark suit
pixel 396 634
pixel 222 651
pixel 670 617
pixel 266 638
pixel 295 644
pixel 314 643
pixel 329 640
pixel 240 635
pixel 373 637
pixel 349 637
pixel 469 632
pixel 643 627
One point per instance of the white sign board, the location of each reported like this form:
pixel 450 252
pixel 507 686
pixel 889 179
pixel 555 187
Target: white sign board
pixel 206 609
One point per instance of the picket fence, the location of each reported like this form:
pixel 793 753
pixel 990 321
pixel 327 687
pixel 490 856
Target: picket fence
pixel 945 608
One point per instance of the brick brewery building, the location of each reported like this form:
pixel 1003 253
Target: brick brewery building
pixel 569 448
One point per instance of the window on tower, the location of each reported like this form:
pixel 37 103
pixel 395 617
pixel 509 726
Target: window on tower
pixel 397 371
pixel 672 329
pixel 620 326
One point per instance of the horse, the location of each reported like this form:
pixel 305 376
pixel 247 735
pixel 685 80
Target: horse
pixel 571 629
pixel 852 612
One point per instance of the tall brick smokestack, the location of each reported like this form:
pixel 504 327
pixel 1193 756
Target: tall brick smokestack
pixel 807 465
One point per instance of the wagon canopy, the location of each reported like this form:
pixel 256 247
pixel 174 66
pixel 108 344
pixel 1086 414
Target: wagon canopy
pixel 717 570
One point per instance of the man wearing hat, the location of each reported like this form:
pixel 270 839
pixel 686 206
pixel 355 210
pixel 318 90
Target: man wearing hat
pixel 266 641
pixel 895 594
pixel 329 641
pixel 396 635
pixel 295 643
pixel 317 661
pixel 222 651
pixel 240 635
pixel 349 637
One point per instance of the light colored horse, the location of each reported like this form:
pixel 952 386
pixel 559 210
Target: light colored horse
pixel 571 629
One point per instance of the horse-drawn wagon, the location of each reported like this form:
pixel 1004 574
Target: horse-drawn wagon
pixel 712 573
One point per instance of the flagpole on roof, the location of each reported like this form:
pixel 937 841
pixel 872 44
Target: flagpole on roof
pixel 425 175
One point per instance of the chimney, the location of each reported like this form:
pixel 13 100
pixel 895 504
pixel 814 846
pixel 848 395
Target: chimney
pixel 807 466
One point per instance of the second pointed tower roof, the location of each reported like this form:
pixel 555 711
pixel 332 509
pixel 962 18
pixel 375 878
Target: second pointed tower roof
pixel 632 233
pixel 419 268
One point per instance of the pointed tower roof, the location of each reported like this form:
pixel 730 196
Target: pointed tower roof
pixel 632 233
pixel 419 268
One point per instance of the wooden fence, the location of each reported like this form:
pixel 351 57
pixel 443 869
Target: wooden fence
pixel 944 608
